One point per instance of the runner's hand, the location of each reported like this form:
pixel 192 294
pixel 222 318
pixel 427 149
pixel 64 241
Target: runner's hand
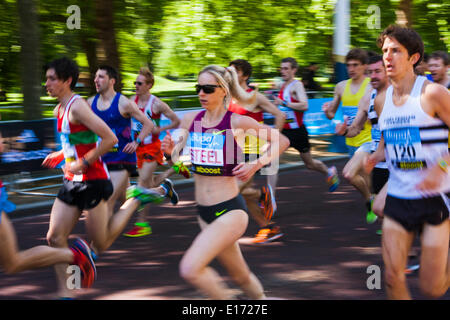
pixel 131 147
pixel 341 127
pixel 369 162
pixel 244 171
pixel 77 167
pixel 53 159
pixel 433 179
pixel 167 144
pixel 326 106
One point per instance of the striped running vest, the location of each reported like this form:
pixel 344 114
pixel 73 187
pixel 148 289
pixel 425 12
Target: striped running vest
pixel 414 141
pixel 294 118
pixel 375 132
pixel 76 141
pixel 350 109
pixel 214 151
pixel 136 126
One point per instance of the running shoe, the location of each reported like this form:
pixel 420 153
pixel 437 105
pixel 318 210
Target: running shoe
pixel 144 195
pixel 266 235
pixel 170 191
pixel 83 258
pixel 332 179
pixel 267 202
pixel 140 229
pixel 410 269
pixel 371 217
pixel 180 168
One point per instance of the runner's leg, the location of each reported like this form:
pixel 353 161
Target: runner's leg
pixel 434 273
pixel 209 243
pixel 396 243
pixel 14 261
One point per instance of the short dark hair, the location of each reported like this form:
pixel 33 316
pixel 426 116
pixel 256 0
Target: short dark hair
pixel 292 61
pixel 64 69
pixel 375 58
pixel 243 65
pixel 357 54
pixel 110 71
pixel 440 55
pixel 407 37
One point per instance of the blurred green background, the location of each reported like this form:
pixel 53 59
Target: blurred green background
pixel 177 38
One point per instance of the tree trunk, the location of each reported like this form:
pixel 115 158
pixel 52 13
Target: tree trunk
pixel 406 18
pixel 107 51
pixel 30 66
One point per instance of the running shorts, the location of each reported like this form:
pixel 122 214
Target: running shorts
pixel 379 179
pixel 298 139
pixel 85 194
pixel 149 153
pixel 131 168
pixel 413 214
pixel 211 213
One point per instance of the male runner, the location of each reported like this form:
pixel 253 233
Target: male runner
pixel 292 100
pixel 414 125
pixel 149 153
pixel 354 169
pixel 13 261
pixel 263 213
pixel 350 92
pixel 86 179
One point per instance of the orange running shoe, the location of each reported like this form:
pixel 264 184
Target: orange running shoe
pixel 266 235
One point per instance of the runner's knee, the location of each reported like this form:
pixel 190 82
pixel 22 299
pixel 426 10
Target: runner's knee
pixel 55 240
pixel 394 277
pixel 188 271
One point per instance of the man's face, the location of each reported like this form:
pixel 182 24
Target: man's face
pixel 396 58
pixel 141 85
pixel 286 71
pixel 437 68
pixel 377 74
pixel 102 81
pixel 240 74
pixel 355 69
pixel 53 84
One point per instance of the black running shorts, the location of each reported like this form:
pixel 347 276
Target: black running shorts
pixel 413 214
pixel 131 168
pixel 379 178
pixel 85 194
pixel 211 213
pixel 298 139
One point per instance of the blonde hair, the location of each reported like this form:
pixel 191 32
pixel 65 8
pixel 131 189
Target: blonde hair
pixel 149 78
pixel 227 79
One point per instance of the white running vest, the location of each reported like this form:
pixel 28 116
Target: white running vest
pixel 375 131
pixel 136 126
pixel 414 141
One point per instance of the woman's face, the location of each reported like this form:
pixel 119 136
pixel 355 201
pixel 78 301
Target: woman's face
pixel 210 100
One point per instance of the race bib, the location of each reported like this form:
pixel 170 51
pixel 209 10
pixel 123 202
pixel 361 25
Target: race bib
pixel 207 148
pixel 404 148
pixel 349 114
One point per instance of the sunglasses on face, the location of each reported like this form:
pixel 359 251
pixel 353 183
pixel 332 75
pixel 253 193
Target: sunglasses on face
pixel 138 83
pixel 207 88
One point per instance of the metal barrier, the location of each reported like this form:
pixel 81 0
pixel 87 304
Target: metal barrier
pixel 12 182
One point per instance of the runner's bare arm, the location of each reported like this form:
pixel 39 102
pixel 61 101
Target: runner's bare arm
pixel 174 148
pixel 330 107
pixel 269 107
pixel 436 102
pixel 163 108
pixel 81 113
pixel 299 93
pixel 130 109
pixel 358 124
pixel 278 143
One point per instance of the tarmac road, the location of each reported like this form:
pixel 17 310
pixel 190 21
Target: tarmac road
pixel 324 254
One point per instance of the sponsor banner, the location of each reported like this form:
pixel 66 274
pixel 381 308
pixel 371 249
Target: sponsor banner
pixel 26 144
